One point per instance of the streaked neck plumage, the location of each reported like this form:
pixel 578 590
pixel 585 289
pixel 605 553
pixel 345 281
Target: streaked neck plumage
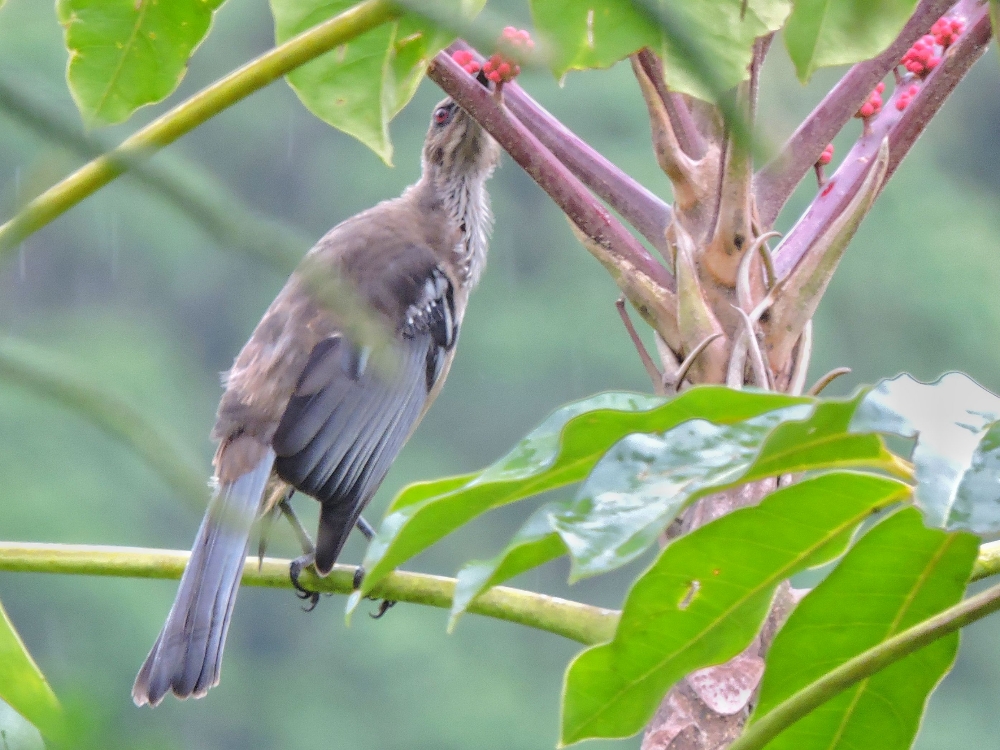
pixel 456 165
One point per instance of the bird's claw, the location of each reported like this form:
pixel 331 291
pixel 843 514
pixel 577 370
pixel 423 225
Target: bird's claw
pixel 295 569
pixel 384 605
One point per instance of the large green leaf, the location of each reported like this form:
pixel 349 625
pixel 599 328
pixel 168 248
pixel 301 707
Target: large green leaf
pixel 22 685
pixel 957 454
pixel 897 575
pixel 561 451
pixel 644 481
pixel 600 33
pixel 124 54
pixel 820 33
pixel 705 597
pixel 359 87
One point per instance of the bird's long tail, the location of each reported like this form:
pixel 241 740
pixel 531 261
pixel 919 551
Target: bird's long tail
pixel 187 655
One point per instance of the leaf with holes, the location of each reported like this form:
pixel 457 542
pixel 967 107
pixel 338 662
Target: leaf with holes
pixel 957 453
pixel 124 54
pixel 360 86
pixel 705 597
pixel 22 684
pixel 820 33
pixel 600 33
pixel 561 451
pixel 898 574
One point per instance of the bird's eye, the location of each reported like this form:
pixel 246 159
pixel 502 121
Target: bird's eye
pixel 443 115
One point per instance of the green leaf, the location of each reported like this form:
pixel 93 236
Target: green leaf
pixel 821 33
pixel 897 575
pixel 641 485
pixel 535 543
pixel 124 54
pixel 561 451
pixel 22 684
pixel 599 34
pixel 957 454
pixel 705 597
pixel 644 481
pixel 359 87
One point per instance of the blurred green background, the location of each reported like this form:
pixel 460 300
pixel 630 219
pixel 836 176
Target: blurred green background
pixel 147 304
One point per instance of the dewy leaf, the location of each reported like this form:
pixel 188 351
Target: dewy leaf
pixel 129 53
pixel 599 33
pixel 820 33
pixel 561 451
pixel 705 597
pixel 641 484
pixel 359 87
pixel 957 454
pixel 22 685
pixel 535 543
pixel 897 575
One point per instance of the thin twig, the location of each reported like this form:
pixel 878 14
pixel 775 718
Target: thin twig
pixel 682 369
pixel 824 381
pixel 647 361
pixel 688 135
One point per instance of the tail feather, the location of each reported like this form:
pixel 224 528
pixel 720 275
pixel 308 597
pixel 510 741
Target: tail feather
pixel 187 655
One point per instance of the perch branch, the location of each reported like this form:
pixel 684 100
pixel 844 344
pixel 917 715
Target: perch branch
pixel 578 622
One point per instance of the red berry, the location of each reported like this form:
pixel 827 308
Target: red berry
pixel 462 56
pixel 493 76
pixel 827 156
pixel 880 88
pixel 471 67
pixel 504 70
pixel 867 110
pixel 913 90
pixel 901 102
pixel 932 63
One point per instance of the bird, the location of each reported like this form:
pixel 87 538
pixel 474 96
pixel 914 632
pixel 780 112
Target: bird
pixel 306 408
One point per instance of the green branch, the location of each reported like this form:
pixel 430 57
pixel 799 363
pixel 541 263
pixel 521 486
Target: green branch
pixel 578 622
pixel 187 115
pixel 864 665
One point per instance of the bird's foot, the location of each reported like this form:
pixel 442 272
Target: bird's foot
pixel 384 605
pixel 295 569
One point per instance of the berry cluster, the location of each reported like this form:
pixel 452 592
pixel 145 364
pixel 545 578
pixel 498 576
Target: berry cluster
pixel 827 156
pixel 947 30
pixel 502 67
pixel 874 103
pixel 922 57
pixel 499 70
pixel 905 97
pixel 466 59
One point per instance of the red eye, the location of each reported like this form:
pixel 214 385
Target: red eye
pixel 442 115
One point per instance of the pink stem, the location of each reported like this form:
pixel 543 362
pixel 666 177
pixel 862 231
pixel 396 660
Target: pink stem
pixel 902 129
pixel 779 178
pixel 554 177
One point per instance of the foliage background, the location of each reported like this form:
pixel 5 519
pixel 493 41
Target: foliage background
pixel 153 308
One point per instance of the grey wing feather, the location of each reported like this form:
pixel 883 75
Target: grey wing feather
pixel 347 420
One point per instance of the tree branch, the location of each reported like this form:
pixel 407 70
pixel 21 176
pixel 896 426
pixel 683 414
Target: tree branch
pixel 681 119
pixel 646 282
pixel 901 128
pixel 864 665
pixel 638 206
pixel 578 622
pixel 779 178
pixel 193 112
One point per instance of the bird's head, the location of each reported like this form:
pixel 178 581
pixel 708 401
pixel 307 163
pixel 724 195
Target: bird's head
pixel 456 146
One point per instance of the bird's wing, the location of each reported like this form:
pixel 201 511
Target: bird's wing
pixel 348 419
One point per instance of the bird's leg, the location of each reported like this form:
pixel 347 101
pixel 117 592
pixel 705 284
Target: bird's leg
pixel 308 557
pixel 305 541
pixel 266 524
pixel 359 573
